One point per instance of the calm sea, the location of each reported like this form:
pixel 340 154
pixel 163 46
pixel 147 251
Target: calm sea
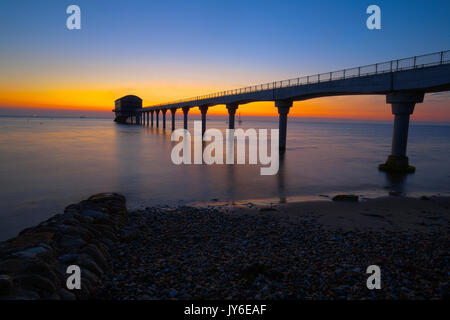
pixel 48 163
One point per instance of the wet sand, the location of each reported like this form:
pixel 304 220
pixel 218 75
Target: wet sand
pixel 428 214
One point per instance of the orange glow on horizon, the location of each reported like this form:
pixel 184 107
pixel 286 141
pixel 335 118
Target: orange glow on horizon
pixel 89 99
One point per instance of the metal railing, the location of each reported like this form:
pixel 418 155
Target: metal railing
pixel 416 62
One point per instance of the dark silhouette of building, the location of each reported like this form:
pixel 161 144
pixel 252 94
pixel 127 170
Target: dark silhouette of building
pixel 128 109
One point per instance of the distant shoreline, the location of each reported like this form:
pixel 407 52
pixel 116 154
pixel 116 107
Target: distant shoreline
pixel 298 119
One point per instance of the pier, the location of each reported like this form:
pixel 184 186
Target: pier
pixel 404 82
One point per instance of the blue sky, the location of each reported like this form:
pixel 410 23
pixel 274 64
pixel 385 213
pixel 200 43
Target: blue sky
pixel 283 36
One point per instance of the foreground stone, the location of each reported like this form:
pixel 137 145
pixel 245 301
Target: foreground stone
pixel 346 197
pixel 33 265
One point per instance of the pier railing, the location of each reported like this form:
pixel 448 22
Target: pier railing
pixel 416 62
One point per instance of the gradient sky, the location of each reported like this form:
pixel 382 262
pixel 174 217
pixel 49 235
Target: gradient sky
pixel 165 50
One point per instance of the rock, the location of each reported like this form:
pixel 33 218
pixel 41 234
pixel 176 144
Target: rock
pixel 267 209
pixel 88 278
pixel 23 294
pixel 94 253
pixel 108 243
pixel 6 284
pixel 66 295
pixel 86 219
pixel 79 231
pixel 346 197
pixel 13 265
pixel 71 222
pixel 173 293
pixel 71 242
pixel 84 261
pixel 42 269
pixel 31 239
pixel 32 253
pixel 108 197
pixel 102 247
pixel 67 258
pixel 95 214
pixel 251 272
pixel 37 282
pixel 72 209
pixel 128 235
pixel 107 234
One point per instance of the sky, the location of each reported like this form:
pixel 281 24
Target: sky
pixel 167 50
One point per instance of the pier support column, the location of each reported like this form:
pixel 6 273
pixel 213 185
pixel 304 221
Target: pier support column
pixel 402 107
pixel 283 110
pixel 164 118
pixel 157 118
pixel 148 118
pixel 151 116
pixel 185 117
pixel 173 111
pixel 231 114
pixel 203 110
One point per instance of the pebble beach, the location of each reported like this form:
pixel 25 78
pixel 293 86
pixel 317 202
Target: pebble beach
pixel 312 250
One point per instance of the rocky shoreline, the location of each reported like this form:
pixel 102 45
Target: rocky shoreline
pixel 228 252
pixel 33 265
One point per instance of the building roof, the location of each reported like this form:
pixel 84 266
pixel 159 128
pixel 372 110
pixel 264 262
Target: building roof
pixel 130 98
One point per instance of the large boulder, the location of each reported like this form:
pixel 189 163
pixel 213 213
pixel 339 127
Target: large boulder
pixel 34 264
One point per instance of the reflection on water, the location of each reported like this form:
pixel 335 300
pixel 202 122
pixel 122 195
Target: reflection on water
pixel 396 181
pixel 48 163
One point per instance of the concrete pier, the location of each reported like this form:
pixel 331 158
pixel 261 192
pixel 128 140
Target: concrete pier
pixel 157 118
pixel 173 111
pixel 185 117
pixel 151 113
pixel 403 104
pixel 283 110
pixel 231 114
pixel 203 110
pixel 148 118
pixel 164 118
pixel 404 86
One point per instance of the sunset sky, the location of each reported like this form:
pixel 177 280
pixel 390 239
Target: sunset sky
pixel 166 50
